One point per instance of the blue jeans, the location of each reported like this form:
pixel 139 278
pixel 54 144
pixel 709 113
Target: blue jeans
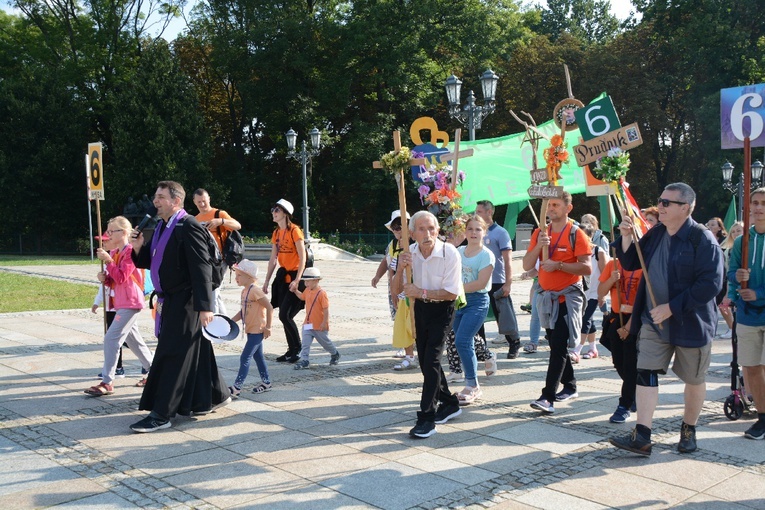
pixel 467 321
pixel 252 349
pixel 535 326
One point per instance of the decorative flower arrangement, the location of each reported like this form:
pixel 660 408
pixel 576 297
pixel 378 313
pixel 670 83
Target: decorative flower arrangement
pixel 437 195
pixel 555 155
pixel 396 161
pixel 613 166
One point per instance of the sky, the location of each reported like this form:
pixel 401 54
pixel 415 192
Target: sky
pixel 620 8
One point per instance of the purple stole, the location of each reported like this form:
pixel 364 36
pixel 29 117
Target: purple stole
pixel 158 245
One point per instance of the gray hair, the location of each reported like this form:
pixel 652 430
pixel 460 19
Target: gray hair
pixel 687 194
pixel 421 214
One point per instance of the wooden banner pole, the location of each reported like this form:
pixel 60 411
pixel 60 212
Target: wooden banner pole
pixel 747 193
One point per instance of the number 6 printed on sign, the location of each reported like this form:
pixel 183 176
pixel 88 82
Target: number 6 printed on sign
pixel 742 110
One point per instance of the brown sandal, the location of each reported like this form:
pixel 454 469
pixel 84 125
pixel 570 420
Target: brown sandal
pixel 141 383
pixel 100 390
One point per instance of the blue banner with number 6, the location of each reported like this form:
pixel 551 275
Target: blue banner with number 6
pixel 742 114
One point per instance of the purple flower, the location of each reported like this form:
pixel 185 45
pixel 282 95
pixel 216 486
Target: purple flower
pixel 424 192
pixel 461 176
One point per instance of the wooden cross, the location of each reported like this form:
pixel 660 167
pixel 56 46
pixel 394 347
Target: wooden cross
pixel 455 156
pixel 401 189
pixel 402 204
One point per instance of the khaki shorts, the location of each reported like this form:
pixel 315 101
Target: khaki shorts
pixel 690 365
pixel 751 348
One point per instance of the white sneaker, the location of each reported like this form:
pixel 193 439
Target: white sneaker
pixel 401 353
pixel 727 335
pixel 455 377
pixel 500 340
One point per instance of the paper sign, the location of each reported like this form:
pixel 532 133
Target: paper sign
pixel 536 191
pixel 742 110
pixel 624 138
pixel 96 172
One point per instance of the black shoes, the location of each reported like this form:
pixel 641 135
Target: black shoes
pixel 756 431
pixel 446 412
pixel 687 442
pixel 515 346
pixel 423 429
pixel 635 442
pixel 150 424
pixel 288 358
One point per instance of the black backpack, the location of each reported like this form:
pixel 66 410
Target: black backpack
pixel 216 261
pixel 233 245
pixel 308 252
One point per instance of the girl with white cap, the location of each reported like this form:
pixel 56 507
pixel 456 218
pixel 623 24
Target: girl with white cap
pixel 288 252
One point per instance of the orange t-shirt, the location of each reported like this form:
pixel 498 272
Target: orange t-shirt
pixel 628 284
pixel 210 215
pixel 316 301
pixel 253 312
pixel 560 251
pixel 285 239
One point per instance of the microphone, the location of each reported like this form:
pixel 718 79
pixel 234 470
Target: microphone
pixel 145 221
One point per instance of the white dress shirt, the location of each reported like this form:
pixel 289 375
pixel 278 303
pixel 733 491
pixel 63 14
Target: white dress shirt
pixel 442 270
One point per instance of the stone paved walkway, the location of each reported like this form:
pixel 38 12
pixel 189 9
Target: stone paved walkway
pixel 336 437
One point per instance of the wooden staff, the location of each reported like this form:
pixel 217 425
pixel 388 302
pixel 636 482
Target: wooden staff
pixel 101 245
pixel 636 240
pixel 745 207
pixel 616 264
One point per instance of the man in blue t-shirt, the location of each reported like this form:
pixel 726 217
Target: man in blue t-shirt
pixel 498 241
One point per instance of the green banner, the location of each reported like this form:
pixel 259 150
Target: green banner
pixel 499 170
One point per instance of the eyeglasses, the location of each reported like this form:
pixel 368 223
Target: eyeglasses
pixel 664 202
pixel 110 232
pixel 276 209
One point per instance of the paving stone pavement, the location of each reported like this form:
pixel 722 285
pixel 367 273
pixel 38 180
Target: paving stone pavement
pixel 337 437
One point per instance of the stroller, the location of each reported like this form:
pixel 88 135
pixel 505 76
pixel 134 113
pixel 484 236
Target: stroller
pixel 738 402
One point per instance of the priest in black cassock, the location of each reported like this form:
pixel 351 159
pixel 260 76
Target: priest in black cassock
pixel 184 377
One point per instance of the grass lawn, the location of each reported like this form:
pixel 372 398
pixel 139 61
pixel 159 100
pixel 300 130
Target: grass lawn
pixel 28 293
pixel 24 260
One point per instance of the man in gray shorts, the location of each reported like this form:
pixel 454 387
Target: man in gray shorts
pixel 684 264
pixel 750 308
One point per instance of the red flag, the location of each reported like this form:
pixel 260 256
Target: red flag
pixel 637 215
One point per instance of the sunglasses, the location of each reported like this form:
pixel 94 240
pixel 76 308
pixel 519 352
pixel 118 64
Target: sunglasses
pixel 396 228
pixel 276 209
pixel 664 202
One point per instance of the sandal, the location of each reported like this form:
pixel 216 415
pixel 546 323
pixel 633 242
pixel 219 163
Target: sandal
pixel 490 366
pixel 100 390
pixel 262 388
pixel 468 395
pixel 141 383
pixel 406 364
pixel 574 357
pixel 591 354
pixel 455 377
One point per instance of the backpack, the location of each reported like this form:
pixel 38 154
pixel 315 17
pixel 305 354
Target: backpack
pixel 308 252
pixel 572 243
pixel 216 261
pixel 233 245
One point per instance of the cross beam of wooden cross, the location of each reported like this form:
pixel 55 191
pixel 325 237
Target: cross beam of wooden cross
pixel 455 156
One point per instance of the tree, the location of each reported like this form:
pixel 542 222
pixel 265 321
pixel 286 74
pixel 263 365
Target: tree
pixel 590 21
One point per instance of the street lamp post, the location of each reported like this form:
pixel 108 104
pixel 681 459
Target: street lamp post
pixel 472 114
pixel 738 188
pixel 302 156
